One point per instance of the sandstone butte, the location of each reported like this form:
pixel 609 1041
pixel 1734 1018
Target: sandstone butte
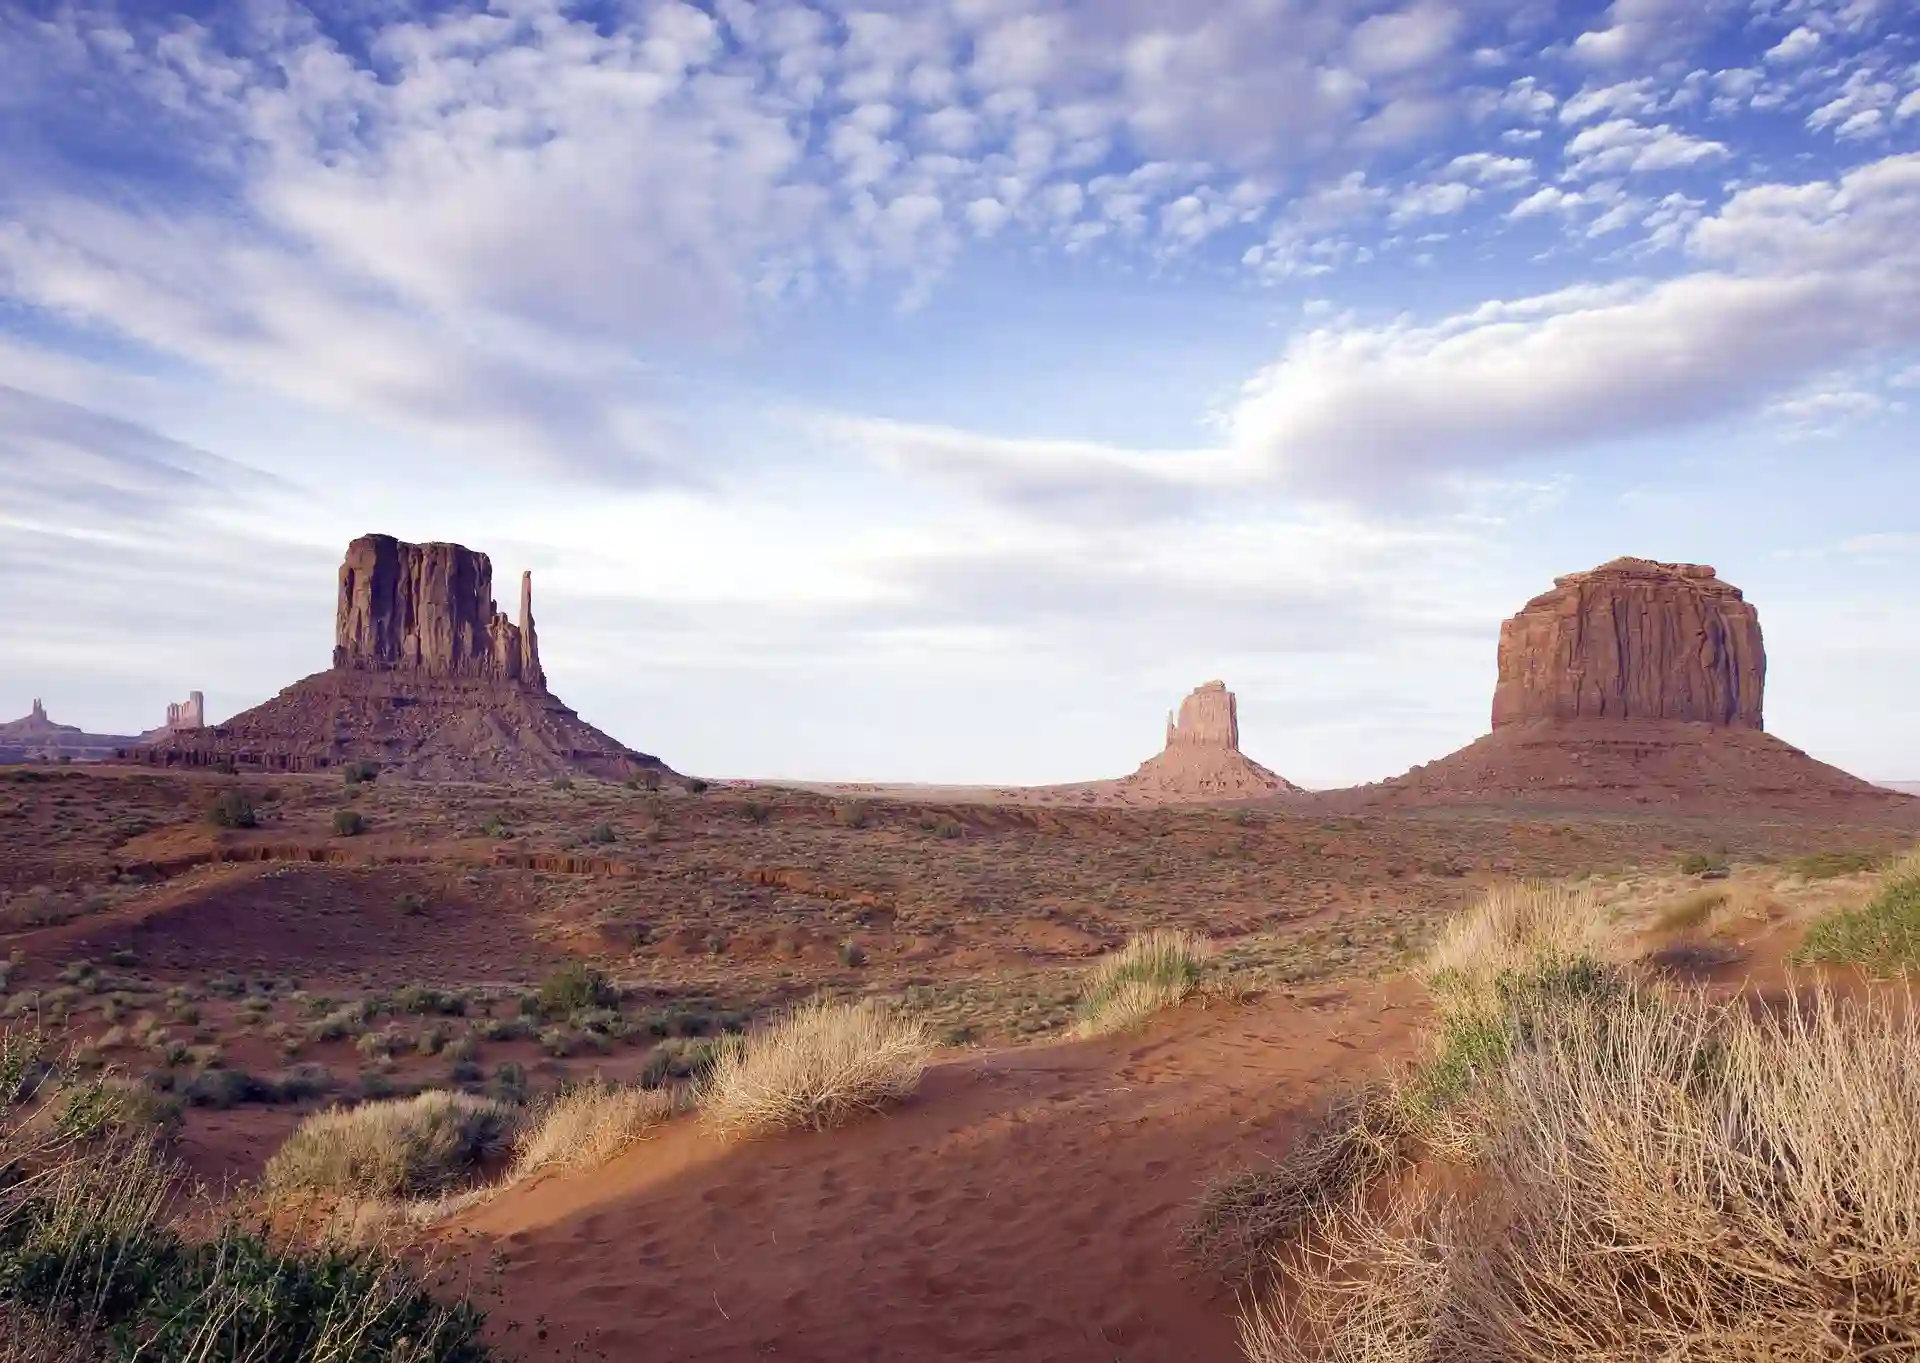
pixel 1638 683
pixel 35 737
pixel 429 679
pixel 1202 758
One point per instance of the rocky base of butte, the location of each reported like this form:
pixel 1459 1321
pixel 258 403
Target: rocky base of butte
pixel 1202 757
pixel 429 680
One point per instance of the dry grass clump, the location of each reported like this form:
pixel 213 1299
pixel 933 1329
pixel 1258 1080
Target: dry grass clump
pixel 1883 935
pixel 1673 1180
pixel 1516 929
pixel 1153 972
pixel 106 1254
pixel 820 1066
pixel 589 1125
pixel 1345 1147
pixel 402 1148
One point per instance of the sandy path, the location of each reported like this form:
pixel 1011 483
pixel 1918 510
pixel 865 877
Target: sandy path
pixel 1023 1208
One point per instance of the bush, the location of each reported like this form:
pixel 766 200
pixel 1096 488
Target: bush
pixel 349 823
pixel 563 783
pixel 697 787
pixel 819 1066
pixel 232 810
pixel 681 1058
pixel 756 812
pixel 1883 936
pixel 602 834
pixel 358 773
pixel 851 814
pixel 1153 972
pixel 1704 864
pixel 587 1126
pixel 409 1147
pixel 1832 865
pixel 1671 1180
pixel 949 829
pixel 1340 1152
pixel 573 987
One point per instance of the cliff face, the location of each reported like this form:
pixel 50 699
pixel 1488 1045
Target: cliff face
pixel 428 609
pixel 1209 718
pixel 1634 640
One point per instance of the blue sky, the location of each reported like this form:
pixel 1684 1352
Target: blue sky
pixel 937 391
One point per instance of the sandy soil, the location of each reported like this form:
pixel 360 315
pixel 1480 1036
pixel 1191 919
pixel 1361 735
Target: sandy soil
pixel 1024 1207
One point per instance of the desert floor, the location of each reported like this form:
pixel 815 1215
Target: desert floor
pixel 1025 1205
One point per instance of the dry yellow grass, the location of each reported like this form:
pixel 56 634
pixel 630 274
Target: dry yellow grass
pixel 1153 972
pixel 404 1148
pixel 590 1125
pixel 1517 929
pixel 1670 1180
pixel 820 1066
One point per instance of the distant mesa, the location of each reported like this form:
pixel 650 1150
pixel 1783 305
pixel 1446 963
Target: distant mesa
pixel 429 679
pixel 1638 683
pixel 1202 758
pixel 37 738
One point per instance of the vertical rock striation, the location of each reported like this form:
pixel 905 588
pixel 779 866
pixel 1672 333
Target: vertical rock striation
pixel 1634 639
pixel 428 609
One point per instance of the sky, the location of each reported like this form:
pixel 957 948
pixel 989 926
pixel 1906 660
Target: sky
pixel 938 391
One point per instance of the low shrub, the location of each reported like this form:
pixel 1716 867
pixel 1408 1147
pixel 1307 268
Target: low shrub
pixel 1832 865
pixel 1704 864
pixel 587 1126
pixel 851 814
pixel 1153 972
pixel 681 1058
pixel 575 986
pixel 410 1147
pixel 1691 911
pixel 349 823
pixel 819 1066
pixel 1883 935
pixel 1677 1179
pixel 231 809
pixel 1340 1152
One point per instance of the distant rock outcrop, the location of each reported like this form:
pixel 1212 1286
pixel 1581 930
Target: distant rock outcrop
pixel 190 713
pixel 1202 759
pixel 1635 684
pixel 36 738
pixel 429 679
pixel 1634 639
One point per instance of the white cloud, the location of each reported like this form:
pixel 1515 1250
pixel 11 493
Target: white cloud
pixel 1441 199
pixel 1797 46
pixel 1489 169
pixel 1388 44
pixel 1791 281
pixel 1627 98
pixel 1622 146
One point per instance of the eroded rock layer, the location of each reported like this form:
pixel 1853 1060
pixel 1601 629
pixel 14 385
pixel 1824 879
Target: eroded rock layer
pixel 1634 639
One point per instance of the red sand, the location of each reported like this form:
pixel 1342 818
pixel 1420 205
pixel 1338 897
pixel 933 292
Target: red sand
pixel 1024 1207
